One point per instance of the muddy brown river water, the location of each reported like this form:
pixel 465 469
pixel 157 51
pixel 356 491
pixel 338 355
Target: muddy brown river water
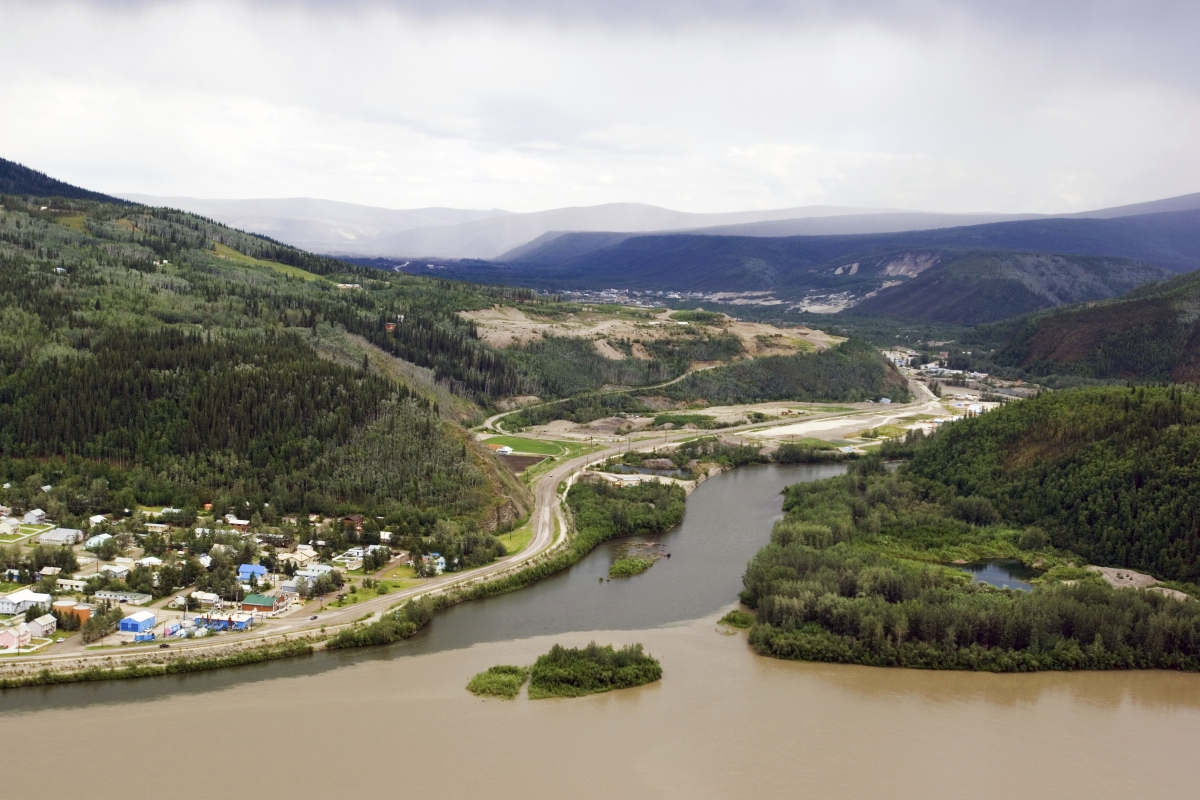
pixel 723 722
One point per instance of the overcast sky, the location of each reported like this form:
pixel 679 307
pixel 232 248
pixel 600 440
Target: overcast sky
pixel 998 105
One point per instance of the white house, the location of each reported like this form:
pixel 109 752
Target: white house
pixel 35 517
pixel 19 602
pixel 43 626
pixel 115 571
pixel 96 519
pixel 205 598
pixel 62 537
pixel 149 561
pixel 9 526
pixel 97 540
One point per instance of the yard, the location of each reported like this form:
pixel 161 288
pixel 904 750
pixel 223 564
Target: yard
pixel 24 532
pixel 520 444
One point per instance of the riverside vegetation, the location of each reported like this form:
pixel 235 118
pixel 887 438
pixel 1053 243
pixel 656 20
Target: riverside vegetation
pixel 571 672
pixel 860 569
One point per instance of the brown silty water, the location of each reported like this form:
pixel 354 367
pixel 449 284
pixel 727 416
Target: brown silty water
pixel 723 723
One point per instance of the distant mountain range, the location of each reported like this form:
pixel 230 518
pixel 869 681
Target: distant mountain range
pixel 960 268
pixel 348 229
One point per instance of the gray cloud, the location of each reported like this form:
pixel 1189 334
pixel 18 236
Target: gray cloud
pixel 697 105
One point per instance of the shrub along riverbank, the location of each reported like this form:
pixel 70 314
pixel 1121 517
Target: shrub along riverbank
pixel 860 568
pixel 503 681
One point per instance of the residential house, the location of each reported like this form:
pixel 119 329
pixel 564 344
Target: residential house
pixel 62 537
pixel 240 524
pixel 35 517
pixel 9 526
pixel 354 519
pixel 117 572
pixel 205 598
pixel 157 527
pixel 96 519
pixel 298 558
pixel 49 572
pixel 44 626
pixel 149 561
pixel 14 638
pixel 96 541
pixel 71 585
pixel 5 511
pixel 437 560
pixel 256 572
pixel 21 601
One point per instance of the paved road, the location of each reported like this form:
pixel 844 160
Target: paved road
pixel 546 512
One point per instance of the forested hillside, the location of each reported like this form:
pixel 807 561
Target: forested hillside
pixel 850 372
pixel 19 180
pixel 1108 473
pixel 152 357
pixel 861 569
pixel 1150 333
pixel 987 286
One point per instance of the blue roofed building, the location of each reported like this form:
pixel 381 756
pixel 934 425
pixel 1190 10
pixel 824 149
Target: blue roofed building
pixel 248 571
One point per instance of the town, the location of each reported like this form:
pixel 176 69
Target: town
pixel 163 574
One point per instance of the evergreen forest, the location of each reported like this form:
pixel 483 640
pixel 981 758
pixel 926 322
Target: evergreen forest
pixel 862 567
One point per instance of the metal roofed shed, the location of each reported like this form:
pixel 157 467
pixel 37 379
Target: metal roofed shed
pixel 138 622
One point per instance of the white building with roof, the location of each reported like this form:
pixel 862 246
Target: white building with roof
pixel 21 601
pixel 62 537
pixel 35 517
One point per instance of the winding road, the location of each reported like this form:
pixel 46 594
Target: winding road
pixel 546 513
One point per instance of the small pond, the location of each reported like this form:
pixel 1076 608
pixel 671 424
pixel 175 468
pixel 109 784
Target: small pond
pixel 666 473
pixel 1002 572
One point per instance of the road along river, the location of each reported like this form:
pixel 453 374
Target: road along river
pixel 722 723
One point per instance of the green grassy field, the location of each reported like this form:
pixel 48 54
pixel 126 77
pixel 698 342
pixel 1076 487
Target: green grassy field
pixel 518 540
pixel 76 221
pixel 519 444
pixel 234 255
pixel 24 532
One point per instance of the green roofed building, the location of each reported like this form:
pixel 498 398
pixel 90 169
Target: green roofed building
pixel 262 604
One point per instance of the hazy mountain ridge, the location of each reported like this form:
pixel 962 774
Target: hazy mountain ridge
pixel 981 287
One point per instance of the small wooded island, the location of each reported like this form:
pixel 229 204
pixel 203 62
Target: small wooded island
pixel 571 672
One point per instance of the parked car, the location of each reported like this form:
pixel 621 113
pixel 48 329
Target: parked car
pixel 164 645
pixel 60 639
pixel 314 616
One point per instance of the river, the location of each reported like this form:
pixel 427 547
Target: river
pixel 723 722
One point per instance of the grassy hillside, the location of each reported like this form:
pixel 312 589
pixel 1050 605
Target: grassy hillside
pixel 149 357
pixel 988 286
